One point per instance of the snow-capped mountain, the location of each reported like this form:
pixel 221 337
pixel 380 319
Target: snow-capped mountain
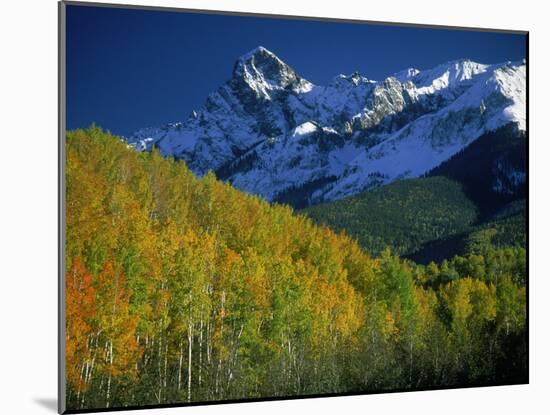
pixel 271 132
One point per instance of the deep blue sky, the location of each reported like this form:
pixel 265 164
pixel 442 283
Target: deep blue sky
pixel 128 69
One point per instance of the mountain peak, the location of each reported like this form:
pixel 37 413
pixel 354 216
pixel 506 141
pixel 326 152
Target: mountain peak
pixel 449 74
pixel 354 78
pixel 258 51
pixel 463 65
pixel 262 68
pixel 406 74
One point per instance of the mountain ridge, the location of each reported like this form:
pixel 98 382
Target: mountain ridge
pixel 364 133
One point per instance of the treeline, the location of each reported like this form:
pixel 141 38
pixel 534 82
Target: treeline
pixel 184 289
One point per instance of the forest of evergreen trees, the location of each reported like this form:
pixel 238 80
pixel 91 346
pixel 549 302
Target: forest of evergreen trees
pixel 183 289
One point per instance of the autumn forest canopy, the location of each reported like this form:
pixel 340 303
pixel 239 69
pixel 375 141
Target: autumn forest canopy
pixel 184 289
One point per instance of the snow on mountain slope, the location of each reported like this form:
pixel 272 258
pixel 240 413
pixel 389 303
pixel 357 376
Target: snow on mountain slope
pixel 490 103
pixel 269 131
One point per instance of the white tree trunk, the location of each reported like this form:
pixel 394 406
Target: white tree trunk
pixel 180 364
pixel 110 375
pixel 190 347
pixel 200 353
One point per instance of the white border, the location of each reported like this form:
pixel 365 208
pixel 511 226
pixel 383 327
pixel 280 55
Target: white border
pixel 28 207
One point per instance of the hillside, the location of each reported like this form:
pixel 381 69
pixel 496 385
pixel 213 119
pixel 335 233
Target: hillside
pixel 508 230
pixel 184 289
pixel 432 218
pixel 493 169
pixel 403 215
